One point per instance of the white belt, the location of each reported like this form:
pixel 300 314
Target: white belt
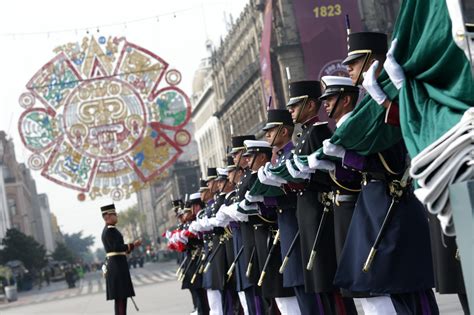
pixel 116 254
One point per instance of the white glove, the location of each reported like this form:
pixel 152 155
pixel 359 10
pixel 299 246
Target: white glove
pixel 333 149
pixel 318 164
pixel 394 70
pixel 301 166
pixel 262 177
pixel 205 225
pixel 294 173
pixel 271 176
pixel 372 86
pixel 194 227
pixel 248 207
pixel 251 198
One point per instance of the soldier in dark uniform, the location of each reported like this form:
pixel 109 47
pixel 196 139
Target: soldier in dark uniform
pixel 118 282
pixel 400 278
pixel 192 280
pixel 214 295
pixel 339 98
pixel 226 191
pixel 258 153
pixel 303 106
pixel 243 233
pixel 278 131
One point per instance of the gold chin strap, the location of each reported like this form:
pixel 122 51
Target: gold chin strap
pixel 301 110
pixel 366 60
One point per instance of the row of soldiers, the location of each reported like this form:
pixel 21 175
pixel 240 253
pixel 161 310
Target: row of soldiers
pixel 307 227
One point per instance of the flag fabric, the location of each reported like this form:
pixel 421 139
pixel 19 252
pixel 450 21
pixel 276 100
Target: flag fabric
pixel 438 89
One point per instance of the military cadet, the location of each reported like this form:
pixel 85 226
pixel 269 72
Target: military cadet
pixel 446 261
pixel 258 153
pixel 395 270
pixel 117 276
pixel 214 295
pixel 226 191
pixel 319 270
pixel 339 98
pixel 243 235
pixel 278 131
pixel 191 278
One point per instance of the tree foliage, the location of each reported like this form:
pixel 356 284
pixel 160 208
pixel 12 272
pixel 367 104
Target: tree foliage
pixel 131 222
pixel 63 253
pixel 79 245
pixel 19 246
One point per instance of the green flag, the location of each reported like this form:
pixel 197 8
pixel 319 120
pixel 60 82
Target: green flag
pixel 439 87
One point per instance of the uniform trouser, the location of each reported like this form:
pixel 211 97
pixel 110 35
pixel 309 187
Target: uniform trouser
pixel 288 305
pixel 255 304
pixel 243 302
pixel 307 301
pixel 231 301
pixel 422 303
pixel 120 306
pixel 200 301
pixel 215 302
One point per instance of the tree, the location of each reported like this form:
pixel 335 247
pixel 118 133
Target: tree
pixel 79 245
pixel 100 254
pixel 131 222
pixel 63 253
pixel 19 246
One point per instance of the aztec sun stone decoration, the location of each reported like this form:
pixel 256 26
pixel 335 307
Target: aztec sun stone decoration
pixel 104 117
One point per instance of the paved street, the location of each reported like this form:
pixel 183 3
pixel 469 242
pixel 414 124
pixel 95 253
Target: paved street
pixel 156 288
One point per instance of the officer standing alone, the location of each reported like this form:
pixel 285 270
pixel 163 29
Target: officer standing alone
pixel 117 274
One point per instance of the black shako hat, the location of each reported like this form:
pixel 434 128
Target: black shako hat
pixel 278 117
pixel 202 185
pixel 363 43
pixel 108 209
pixel 230 164
pixel 301 90
pixel 211 173
pixel 238 142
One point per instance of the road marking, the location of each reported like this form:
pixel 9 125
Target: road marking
pixel 145 279
pixel 136 281
pixel 95 288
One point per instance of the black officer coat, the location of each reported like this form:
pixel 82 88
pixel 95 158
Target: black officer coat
pixel 309 211
pixel 288 226
pixel 247 228
pixel 403 260
pixel 219 265
pixel 265 225
pixel 117 279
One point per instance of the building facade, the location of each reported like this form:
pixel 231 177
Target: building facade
pixel 227 94
pixel 47 224
pixel 155 201
pixel 23 204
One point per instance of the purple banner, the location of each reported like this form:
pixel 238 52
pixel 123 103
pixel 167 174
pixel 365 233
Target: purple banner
pixel 323 35
pixel 265 61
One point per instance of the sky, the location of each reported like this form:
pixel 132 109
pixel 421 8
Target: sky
pixel 29 31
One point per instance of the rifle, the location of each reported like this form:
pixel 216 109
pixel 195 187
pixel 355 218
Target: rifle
pixel 326 201
pixel 269 256
pixel 396 191
pixel 288 253
pixel 232 266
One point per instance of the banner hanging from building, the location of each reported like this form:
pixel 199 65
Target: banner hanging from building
pixel 265 59
pixel 323 35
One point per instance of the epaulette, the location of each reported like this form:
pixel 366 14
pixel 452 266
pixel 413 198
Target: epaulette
pixel 319 123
